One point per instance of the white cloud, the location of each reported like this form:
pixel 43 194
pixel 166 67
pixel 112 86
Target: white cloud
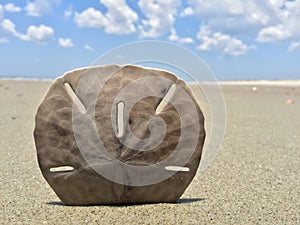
pixel 68 12
pixel 223 42
pixel 41 34
pixel 160 16
pixel 263 21
pixel 294 45
pixel 8 26
pixel 91 18
pixel 38 8
pixel 188 11
pixel 273 33
pixel 245 18
pixel 65 43
pixel 89 48
pixel 119 18
pixel 10 7
pixel 174 37
pixel 236 47
pixel 3 40
pixel 287 27
pixel 1 12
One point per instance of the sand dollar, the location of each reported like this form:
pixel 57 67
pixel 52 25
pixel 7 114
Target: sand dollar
pixel 119 134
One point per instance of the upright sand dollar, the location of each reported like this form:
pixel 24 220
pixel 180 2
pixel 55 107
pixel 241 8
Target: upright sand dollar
pixel 119 135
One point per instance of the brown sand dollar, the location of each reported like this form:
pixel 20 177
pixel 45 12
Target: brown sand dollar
pixel 119 135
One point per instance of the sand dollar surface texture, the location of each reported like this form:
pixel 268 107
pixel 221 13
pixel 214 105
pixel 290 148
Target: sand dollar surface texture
pixel 119 135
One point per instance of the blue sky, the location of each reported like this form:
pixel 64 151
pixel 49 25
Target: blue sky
pixel 237 39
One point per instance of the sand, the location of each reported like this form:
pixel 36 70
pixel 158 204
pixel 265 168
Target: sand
pixel 255 178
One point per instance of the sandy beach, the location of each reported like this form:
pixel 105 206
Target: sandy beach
pixel 254 179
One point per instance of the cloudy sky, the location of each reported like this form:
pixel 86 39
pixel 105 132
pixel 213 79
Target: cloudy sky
pixel 237 39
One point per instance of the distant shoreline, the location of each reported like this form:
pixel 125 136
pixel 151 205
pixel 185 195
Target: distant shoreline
pixel 26 79
pixel 285 83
